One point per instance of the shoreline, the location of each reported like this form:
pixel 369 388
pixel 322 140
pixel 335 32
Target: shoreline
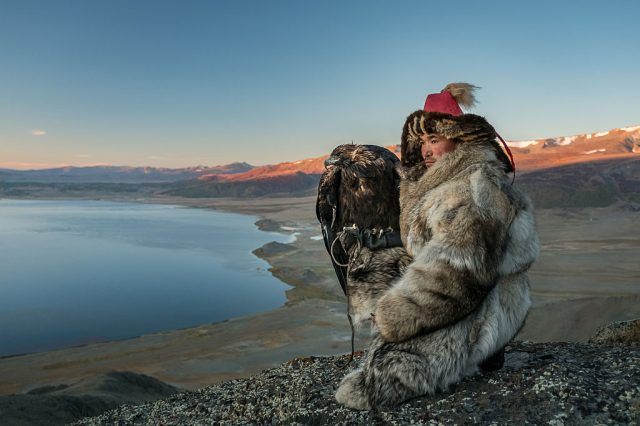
pixel 313 320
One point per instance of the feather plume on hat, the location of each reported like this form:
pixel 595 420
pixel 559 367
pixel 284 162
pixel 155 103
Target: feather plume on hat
pixel 463 93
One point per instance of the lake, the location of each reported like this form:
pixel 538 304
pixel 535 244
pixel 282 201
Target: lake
pixel 76 272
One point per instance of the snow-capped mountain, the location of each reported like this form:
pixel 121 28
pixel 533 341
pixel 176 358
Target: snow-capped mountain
pixel 562 150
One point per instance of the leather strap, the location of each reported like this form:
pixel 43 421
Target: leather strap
pixel 513 162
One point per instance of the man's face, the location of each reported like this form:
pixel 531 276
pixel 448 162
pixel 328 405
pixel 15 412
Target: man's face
pixel 435 146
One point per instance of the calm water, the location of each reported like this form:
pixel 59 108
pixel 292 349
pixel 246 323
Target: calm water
pixel 74 272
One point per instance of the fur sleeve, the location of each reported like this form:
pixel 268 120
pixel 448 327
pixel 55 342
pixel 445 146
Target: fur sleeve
pixel 456 268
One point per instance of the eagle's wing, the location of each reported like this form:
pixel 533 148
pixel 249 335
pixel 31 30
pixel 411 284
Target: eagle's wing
pixel 328 213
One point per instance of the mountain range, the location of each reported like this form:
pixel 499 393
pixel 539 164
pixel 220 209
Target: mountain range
pixel 122 174
pixel 587 169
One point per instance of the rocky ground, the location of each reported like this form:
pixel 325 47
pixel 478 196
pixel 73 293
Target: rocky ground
pixel 541 383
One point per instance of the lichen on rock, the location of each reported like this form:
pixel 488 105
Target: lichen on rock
pixel 540 383
pixel 618 332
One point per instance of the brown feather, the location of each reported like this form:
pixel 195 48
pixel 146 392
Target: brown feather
pixel 463 93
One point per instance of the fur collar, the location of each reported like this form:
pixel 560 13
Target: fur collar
pixel 464 160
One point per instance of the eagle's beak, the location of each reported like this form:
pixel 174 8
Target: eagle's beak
pixel 331 161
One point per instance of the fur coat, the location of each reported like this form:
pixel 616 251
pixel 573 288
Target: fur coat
pixel 472 238
pixel 455 222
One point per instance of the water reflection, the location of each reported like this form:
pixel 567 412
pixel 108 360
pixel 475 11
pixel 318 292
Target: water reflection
pixel 80 271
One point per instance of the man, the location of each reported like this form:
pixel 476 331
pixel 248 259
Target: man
pixel 472 238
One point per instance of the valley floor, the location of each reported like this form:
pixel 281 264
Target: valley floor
pixel 586 277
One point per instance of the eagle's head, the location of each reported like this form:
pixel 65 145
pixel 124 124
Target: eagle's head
pixel 362 180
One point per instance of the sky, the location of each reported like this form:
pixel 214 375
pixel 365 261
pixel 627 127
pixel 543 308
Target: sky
pixel 186 83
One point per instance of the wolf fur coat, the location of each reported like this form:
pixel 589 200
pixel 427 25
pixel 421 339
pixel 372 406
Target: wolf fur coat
pixel 466 293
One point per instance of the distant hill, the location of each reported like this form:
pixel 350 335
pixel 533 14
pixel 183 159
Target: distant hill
pixel 594 169
pixel 119 174
pixel 309 166
pixel 63 404
pixel 596 183
pixel 289 184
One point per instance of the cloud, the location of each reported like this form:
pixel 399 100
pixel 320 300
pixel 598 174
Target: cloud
pixel 82 155
pixel 38 132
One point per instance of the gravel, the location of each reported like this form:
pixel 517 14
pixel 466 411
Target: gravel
pixel 541 383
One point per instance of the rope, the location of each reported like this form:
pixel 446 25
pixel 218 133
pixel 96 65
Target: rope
pixel 346 265
pixel 353 330
pixel 353 333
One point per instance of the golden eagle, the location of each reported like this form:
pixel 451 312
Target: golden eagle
pixel 358 209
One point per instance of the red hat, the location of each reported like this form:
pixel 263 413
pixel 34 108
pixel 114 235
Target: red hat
pixel 442 102
pixel 450 98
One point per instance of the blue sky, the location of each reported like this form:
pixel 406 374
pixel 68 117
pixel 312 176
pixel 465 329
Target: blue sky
pixel 180 83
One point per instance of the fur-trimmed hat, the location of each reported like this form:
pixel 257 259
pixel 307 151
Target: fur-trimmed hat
pixel 442 115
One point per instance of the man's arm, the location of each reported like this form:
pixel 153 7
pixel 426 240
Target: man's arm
pixel 452 273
